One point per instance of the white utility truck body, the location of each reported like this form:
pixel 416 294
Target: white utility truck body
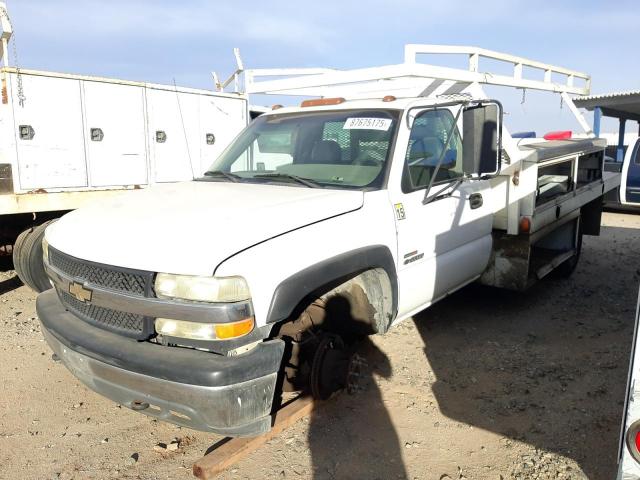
pixel 76 134
pixel 199 302
pixel 72 140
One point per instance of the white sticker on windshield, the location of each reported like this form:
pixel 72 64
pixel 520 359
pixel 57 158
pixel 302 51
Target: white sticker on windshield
pixel 361 123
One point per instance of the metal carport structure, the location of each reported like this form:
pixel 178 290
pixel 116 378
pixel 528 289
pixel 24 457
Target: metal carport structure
pixel 621 105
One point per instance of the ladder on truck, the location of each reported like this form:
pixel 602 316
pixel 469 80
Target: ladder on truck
pixel 413 78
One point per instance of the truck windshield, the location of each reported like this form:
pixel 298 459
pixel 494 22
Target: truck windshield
pixel 344 148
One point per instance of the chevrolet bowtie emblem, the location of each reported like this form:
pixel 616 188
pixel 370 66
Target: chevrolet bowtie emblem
pixel 80 292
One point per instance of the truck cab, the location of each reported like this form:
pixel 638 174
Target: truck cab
pixel 200 302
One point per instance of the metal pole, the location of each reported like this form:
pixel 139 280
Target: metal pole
pixel 620 150
pixel 597 116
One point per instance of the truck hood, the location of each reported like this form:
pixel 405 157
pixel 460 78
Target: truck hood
pixel 190 228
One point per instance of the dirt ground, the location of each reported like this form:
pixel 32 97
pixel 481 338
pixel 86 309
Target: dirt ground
pixel 487 384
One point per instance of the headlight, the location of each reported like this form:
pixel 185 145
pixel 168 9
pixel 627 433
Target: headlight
pixel 203 331
pixel 45 250
pixel 203 289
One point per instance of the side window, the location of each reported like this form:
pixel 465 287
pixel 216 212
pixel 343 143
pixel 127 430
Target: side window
pixel 427 145
pixel 637 159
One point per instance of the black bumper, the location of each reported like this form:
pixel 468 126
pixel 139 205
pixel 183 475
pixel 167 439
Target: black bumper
pixel 227 395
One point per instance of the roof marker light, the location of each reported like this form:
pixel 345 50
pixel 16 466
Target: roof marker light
pixel 388 98
pixel 317 102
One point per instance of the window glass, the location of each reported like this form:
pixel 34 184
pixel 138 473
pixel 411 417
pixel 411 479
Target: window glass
pixel 342 148
pixel 267 152
pixel 427 145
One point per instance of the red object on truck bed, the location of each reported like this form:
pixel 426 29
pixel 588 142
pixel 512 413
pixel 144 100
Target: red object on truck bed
pixel 559 135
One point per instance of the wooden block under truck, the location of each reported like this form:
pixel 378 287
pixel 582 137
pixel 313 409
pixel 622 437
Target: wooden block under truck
pixel 200 302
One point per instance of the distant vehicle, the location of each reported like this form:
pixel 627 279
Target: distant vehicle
pixel 630 181
pixel 71 140
pixel 198 302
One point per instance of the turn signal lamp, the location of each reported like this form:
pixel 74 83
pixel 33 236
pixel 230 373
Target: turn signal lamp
pixel 203 331
pixel 318 102
pixel 234 330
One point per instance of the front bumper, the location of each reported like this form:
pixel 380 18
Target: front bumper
pixel 231 396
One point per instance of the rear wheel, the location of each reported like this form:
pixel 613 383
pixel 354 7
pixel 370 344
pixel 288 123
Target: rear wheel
pixel 27 258
pixel 566 268
pixel 18 247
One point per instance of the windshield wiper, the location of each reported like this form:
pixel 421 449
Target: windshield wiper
pixel 307 182
pixel 232 177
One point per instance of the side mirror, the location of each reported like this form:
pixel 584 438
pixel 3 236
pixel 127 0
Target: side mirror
pixel 481 128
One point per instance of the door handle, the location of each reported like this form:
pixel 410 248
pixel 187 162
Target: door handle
pixel 26 132
pixel 96 134
pixel 475 200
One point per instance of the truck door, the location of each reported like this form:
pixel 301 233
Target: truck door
pixel 445 242
pixel 630 187
pixel 221 120
pixel 49 136
pixel 115 132
pixel 173 135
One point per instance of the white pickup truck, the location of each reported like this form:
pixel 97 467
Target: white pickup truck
pixel 199 302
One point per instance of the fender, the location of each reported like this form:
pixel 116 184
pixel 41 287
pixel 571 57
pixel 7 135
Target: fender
pixel 293 290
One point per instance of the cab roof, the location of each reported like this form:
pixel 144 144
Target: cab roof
pixel 364 104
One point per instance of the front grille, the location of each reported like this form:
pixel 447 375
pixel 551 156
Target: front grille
pixel 125 323
pixel 131 282
pixel 113 278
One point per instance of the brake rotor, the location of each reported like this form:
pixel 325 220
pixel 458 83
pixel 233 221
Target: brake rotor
pixel 329 368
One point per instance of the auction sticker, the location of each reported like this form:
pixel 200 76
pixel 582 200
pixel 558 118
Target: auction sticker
pixel 364 123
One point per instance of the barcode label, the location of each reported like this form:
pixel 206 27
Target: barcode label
pixel 360 123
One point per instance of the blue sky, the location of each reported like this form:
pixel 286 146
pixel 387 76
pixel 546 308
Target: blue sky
pixel 160 41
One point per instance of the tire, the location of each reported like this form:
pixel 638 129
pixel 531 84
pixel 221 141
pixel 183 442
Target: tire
pixel 17 254
pixel 566 268
pixel 30 259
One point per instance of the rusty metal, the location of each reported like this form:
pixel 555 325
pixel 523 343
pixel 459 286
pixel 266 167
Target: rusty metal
pixel 329 368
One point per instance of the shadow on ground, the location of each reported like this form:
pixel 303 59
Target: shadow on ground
pixel 9 281
pixel 353 437
pixel 546 367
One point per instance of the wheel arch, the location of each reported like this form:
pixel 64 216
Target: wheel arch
pixel 363 269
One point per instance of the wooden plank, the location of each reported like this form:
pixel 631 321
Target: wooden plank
pixel 235 449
